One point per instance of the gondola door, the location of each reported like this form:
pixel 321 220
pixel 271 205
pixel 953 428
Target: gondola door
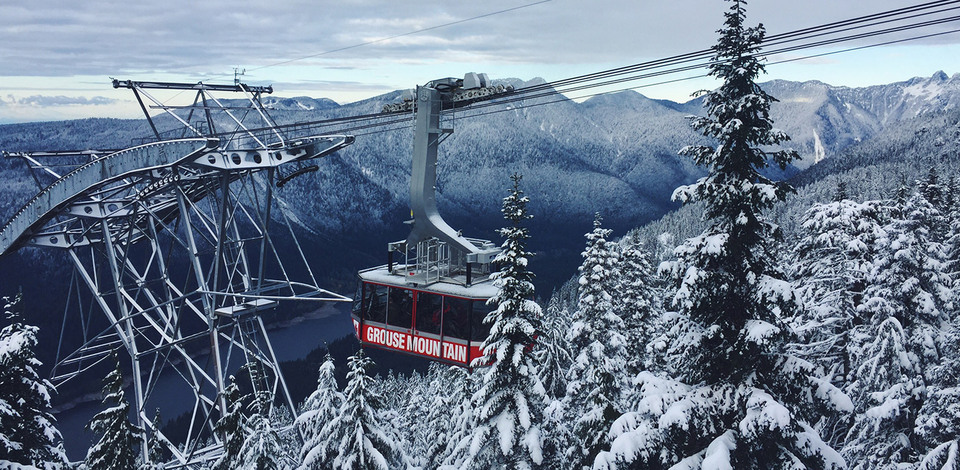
pixel 428 318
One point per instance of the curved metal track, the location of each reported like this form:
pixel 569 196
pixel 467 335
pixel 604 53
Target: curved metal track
pixel 98 172
pixel 71 194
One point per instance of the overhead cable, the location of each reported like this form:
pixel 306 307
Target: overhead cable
pixel 817 36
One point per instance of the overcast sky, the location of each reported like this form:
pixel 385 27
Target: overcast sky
pixel 56 56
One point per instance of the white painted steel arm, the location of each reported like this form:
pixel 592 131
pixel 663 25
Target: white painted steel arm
pixel 109 168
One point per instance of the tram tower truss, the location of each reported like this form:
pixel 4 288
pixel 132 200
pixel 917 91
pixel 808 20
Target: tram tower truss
pixel 178 245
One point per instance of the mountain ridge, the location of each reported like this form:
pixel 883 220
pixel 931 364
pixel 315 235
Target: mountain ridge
pixel 614 153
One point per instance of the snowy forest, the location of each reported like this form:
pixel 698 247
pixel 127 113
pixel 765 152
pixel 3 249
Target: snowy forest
pixel 758 327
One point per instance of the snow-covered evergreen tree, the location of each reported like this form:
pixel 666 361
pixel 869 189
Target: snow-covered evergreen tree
pixel 28 434
pixel 938 195
pixel 553 360
pixel 833 263
pixel 415 418
pixel 900 347
pixel 598 371
pixel 357 436
pixel 156 450
pixel 284 422
pixel 887 393
pixel 634 300
pixel 952 236
pixel 451 419
pixel 261 448
pixel 393 390
pixel 741 400
pixel 230 428
pixel 510 401
pixel 938 422
pixel 120 439
pixel 552 354
pixel 944 457
pixel 321 407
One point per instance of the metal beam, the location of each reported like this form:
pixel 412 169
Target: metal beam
pixel 239 88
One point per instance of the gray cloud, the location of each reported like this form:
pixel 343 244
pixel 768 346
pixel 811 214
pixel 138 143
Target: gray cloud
pixel 312 85
pixel 112 37
pixel 51 101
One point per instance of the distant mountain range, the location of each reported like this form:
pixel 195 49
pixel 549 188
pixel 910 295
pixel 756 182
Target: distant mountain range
pixel 825 119
pixel 614 154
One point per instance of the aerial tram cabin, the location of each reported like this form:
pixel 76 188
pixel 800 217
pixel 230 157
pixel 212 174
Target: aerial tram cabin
pixel 428 311
pixel 430 299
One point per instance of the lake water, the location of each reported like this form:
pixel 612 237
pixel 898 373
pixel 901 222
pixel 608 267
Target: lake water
pixel 291 340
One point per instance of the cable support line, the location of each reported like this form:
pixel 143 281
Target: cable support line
pixel 601 84
pixel 836 27
pixel 797 35
pixel 794 59
pixel 783 38
pixel 864 35
pixel 860 19
pixel 686 62
pixel 542 103
pixel 868 46
pixel 777 41
pixel 547 94
pixel 567 99
pixel 521 95
pixel 705 53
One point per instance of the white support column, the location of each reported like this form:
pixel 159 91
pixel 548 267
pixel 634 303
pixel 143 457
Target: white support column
pixel 128 327
pixel 209 303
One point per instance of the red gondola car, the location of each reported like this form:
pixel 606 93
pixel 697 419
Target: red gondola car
pixel 442 321
pixel 433 302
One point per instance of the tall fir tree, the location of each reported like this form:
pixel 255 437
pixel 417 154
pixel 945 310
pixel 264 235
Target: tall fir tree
pixel 832 263
pixel 937 425
pixel 230 427
pixel 395 392
pixel 120 439
pixel 599 368
pixel 416 417
pixel 321 407
pixel 28 433
pixel 634 301
pixel 261 448
pixel 741 400
pixel 952 237
pixel 510 401
pixel 552 353
pixel 900 347
pixel 357 435
pixel 833 260
pixel 553 360
pixel 937 194
pixel 156 450
pixel 452 419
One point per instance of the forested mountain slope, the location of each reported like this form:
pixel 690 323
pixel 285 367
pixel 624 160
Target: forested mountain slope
pixel 615 153
pixel 870 170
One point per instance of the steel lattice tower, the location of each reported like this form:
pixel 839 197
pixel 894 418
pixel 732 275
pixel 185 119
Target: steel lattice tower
pixel 181 245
